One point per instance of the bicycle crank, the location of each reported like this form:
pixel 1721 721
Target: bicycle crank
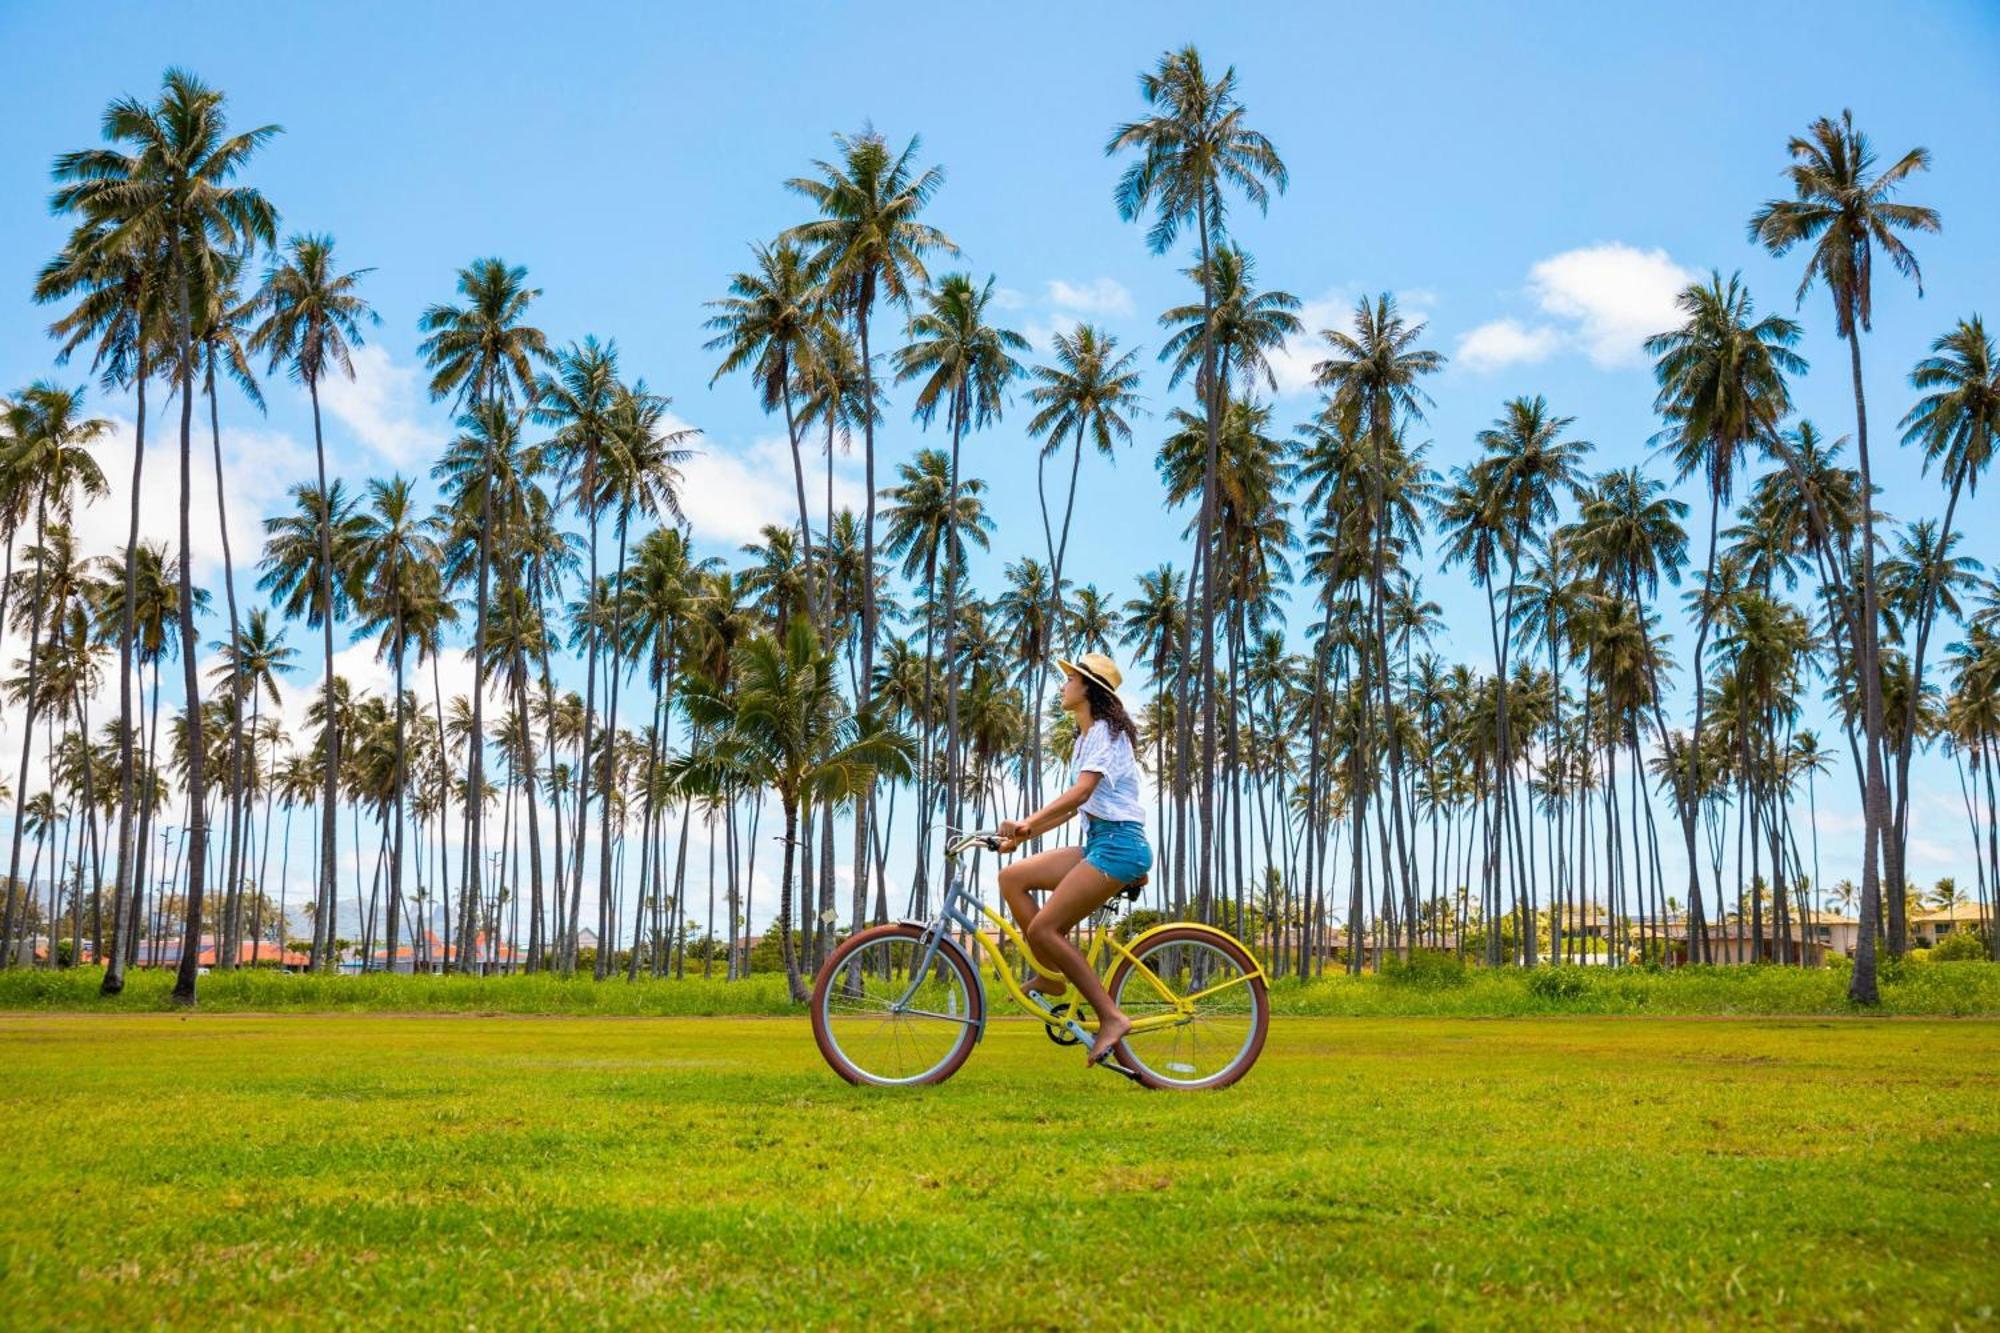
pixel 1057 1027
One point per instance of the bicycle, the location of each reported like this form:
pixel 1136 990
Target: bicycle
pixel 902 1004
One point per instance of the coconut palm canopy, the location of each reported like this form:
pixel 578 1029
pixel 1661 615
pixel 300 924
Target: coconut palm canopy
pixel 448 601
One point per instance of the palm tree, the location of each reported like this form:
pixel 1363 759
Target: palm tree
pixel 312 321
pixel 1955 422
pixel 1194 145
pixel 252 660
pixel 397 563
pixel 962 363
pixel 116 283
pixel 482 355
pixel 772 323
pixel 1530 469
pixel 309 563
pixel 659 595
pixel 1154 625
pixel 152 608
pixel 578 400
pixel 1372 378
pixel 1722 388
pixel 222 334
pixel 45 456
pixel 1024 609
pixel 781 724
pixel 1844 210
pixel 54 586
pixel 641 474
pixel 1252 532
pixel 930 533
pixel 172 195
pixel 836 395
pixel 1090 391
pixel 867 244
pixel 1246 325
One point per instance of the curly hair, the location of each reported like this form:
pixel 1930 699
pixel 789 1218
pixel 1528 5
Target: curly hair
pixel 1106 706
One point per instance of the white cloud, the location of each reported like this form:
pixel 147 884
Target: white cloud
pixel 384 407
pixel 1100 296
pixel 1008 298
pixel 1041 335
pixel 1505 342
pixel 259 468
pixel 1614 297
pixel 730 493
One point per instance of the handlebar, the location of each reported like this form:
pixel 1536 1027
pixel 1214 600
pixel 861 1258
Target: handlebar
pixel 964 842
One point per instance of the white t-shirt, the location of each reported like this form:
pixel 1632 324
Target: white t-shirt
pixel 1108 752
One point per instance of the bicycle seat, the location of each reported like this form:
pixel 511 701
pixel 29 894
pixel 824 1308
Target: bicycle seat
pixel 1132 891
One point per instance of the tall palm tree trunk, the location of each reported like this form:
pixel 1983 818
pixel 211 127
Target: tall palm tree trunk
pixel 323 931
pixel 1897 845
pixel 583 754
pixel 864 803
pixel 815 598
pixel 197 777
pixel 607 926
pixel 537 939
pixel 230 925
pixel 473 879
pixel 125 888
pixel 402 787
pixel 784 917
pixel 1862 988
pixel 1211 427
pixel 17 892
pixel 954 572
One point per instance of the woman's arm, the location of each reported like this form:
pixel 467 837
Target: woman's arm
pixel 1053 815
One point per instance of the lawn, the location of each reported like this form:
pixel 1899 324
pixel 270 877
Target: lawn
pixel 216 1169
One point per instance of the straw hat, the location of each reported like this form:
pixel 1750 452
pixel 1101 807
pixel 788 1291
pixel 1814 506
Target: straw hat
pixel 1095 667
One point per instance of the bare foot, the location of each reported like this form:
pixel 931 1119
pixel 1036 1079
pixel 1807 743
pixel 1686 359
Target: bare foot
pixel 1110 1032
pixel 1041 985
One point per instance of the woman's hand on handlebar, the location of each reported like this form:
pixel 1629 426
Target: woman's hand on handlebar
pixel 1013 833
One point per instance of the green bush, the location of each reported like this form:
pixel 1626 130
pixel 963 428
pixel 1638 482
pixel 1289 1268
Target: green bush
pixel 1561 984
pixel 768 958
pixel 1427 969
pixel 1961 946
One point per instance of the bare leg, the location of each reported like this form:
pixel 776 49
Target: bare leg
pixel 1022 879
pixel 1082 891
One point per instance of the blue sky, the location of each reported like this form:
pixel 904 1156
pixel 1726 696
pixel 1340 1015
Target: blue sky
pixel 1534 182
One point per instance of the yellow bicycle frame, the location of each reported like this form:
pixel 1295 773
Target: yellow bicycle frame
pixel 1182 1005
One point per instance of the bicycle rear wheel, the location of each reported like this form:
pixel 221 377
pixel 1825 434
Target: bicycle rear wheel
pixel 873 1026
pixel 1222 1034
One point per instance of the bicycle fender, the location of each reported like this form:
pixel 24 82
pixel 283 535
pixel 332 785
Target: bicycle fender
pixel 945 941
pixel 1151 931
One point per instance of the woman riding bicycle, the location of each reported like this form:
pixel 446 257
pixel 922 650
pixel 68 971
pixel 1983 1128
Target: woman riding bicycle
pixel 1079 880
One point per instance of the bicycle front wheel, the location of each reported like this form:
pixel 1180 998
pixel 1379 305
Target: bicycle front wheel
pixel 1221 1006
pixel 876 1023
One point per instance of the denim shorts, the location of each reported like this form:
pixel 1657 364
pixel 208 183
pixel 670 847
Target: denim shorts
pixel 1117 847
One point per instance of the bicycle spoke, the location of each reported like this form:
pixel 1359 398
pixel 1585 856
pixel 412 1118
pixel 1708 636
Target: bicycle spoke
pixel 1205 992
pixel 889 1026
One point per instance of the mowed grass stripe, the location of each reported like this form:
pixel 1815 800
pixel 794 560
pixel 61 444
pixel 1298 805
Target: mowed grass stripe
pixel 216 1170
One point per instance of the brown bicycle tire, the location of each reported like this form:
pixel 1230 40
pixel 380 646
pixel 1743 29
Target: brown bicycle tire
pixel 948 953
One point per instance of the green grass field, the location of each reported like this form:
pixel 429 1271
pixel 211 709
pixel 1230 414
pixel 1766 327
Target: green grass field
pixel 211 1169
